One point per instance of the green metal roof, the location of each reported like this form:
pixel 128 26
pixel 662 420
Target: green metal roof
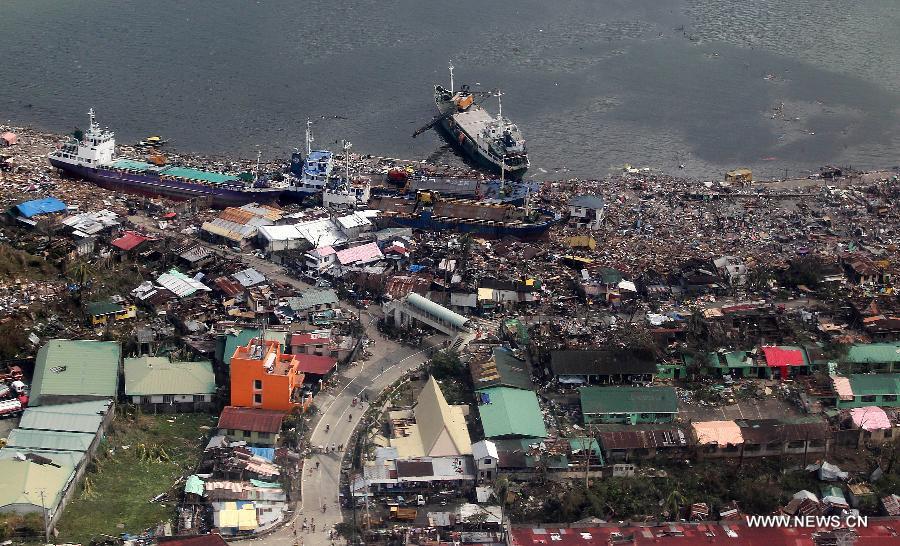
pixel 103 308
pixel 76 368
pixel 47 439
pixel 203 176
pixel 437 310
pixel 737 359
pixel 149 375
pixel 194 485
pixel 600 400
pixel 133 165
pixel 21 483
pixel 874 353
pixel 241 338
pixel 874 384
pixel 511 412
pixel 77 417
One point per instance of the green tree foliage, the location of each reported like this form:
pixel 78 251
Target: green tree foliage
pixel 806 271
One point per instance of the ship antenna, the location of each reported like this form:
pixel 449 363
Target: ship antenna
pixel 258 157
pixel 309 137
pixel 347 146
pixel 451 77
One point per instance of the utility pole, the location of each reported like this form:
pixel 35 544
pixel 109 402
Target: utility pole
pixel 46 522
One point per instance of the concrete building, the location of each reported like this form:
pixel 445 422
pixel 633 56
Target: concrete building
pixel 263 377
pixel 486 459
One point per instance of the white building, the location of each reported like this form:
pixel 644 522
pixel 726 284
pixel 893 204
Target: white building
pixel 587 210
pixel 486 459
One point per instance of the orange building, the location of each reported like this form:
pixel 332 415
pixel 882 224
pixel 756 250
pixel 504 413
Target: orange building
pixel 263 377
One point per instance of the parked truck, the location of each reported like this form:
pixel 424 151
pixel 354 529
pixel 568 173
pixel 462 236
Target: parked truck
pixel 403 514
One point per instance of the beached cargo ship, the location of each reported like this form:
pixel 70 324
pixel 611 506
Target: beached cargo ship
pixel 429 212
pixel 493 142
pixel 93 157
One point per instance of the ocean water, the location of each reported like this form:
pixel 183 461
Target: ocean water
pixel 781 86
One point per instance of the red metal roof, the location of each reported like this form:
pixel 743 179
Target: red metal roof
pixel 880 532
pixel 229 287
pixel 776 356
pixel 130 240
pixel 315 364
pixel 252 419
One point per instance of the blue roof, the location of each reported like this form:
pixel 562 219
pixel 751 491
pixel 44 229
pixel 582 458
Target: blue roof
pixel 40 206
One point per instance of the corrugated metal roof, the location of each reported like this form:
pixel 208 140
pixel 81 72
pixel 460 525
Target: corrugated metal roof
pixel 130 240
pixel 49 439
pixel 874 353
pixel 510 413
pixel 148 375
pixel 875 384
pixel 249 277
pixel 21 482
pixel 362 254
pixel 312 298
pixel 180 284
pixel 252 419
pixel 604 400
pixel 76 368
pixel 64 418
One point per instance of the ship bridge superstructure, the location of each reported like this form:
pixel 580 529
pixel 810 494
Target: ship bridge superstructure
pixel 97 147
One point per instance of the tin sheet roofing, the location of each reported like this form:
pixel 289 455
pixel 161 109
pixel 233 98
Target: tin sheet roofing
pixel 76 368
pixel 47 439
pixel 252 419
pixel 148 375
pixel 21 482
pixel 65 417
pixel 870 418
pixel 601 400
pixel 180 284
pixel 511 412
pixel 874 353
pixel 130 240
pixel 784 356
pixel 360 254
pixel 249 277
pixel 314 364
pixel 875 384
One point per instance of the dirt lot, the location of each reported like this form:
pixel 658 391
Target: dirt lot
pixel 768 407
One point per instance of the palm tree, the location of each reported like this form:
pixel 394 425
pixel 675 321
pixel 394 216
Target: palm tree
pixel 81 273
pixel 673 503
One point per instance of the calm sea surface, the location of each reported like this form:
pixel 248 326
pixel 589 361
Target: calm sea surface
pixel 593 84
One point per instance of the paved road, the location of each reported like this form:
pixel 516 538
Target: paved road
pixel 389 362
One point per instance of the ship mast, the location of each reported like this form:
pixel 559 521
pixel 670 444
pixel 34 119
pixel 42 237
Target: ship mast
pixel 451 77
pixel 309 137
pixel 347 146
pixel 500 104
pixel 258 157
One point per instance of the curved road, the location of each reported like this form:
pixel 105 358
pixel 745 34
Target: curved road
pixel 389 362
